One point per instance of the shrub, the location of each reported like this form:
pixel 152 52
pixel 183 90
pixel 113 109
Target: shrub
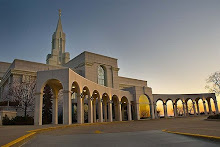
pixel 217 116
pixel 18 120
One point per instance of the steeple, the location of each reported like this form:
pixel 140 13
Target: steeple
pixel 59 24
pixel 58 55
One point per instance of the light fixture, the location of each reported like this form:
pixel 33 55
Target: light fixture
pixel 91 98
pixel 84 90
pixel 101 100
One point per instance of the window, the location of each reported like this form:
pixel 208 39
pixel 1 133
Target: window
pixel 101 76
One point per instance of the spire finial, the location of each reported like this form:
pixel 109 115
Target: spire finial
pixel 59 12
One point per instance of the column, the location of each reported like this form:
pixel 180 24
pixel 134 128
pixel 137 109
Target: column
pixel 187 111
pixel 119 112
pixel 152 111
pixel 210 107
pixel 216 107
pixel 174 109
pixel 110 111
pixel 194 108
pixel 165 110
pixel 55 110
pixel 79 109
pixel 129 111
pixel 94 111
pixel 137 111
pixel 90 115
pixel 155 111
pixel 198 107
pixel 38 108
pixel 184 111
pixel 100 110
pixel 205 110
pixel 122 112
pixel 67 109
pixel 105 111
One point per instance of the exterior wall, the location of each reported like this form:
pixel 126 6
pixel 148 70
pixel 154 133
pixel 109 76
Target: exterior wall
pixel 77 64
pixel 10 114
pixel 129 82
pixel 3 68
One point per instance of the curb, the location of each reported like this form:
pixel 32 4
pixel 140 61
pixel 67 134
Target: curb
pixel 194 135
pixel 32 133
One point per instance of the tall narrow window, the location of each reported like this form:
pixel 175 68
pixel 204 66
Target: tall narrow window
pixel 101 76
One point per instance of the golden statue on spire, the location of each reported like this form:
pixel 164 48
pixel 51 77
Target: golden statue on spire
pixel 59 12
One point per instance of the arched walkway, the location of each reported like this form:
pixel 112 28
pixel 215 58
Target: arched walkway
pixel 144 107
pixel 180 109
pixel 160 108
pixel 170 108
pixel 116 108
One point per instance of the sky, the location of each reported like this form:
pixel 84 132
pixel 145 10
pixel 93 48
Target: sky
pixel 174 45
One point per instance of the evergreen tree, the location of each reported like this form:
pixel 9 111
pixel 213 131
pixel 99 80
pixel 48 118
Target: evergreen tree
pixel 47 105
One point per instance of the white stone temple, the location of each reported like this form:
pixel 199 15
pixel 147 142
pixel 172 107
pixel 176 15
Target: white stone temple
pixel 93 91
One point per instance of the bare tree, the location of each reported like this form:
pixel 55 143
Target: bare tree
pixel 213 82
pixel 180 110
pixel 23 93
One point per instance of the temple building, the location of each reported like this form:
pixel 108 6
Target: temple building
pixel 93 91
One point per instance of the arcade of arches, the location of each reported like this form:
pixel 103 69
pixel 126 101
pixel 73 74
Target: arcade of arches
pixel 87 102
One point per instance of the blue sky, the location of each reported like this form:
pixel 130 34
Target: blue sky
pixel 174 45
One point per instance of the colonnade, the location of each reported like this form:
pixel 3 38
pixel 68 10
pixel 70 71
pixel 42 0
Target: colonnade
pixel 195 107
pixel 106 108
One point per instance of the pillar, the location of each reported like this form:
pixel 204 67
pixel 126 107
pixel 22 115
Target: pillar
pixel 129 111
pixel 55 110
pixel 119 112
pixel 110 111
pixel 210 107
pixel 155 111
pixel 184 110
pixel 187 110
pixel 100 111
pixel 165 110
pixel 174 110
pixel 198 107
pixel 205 110
pixel 94 111
pixel 137 111
pixel 90 114
pixel 216 107
pixel 105 111
pixel 38 108
pixel 79 109
pixel 194 108
pixel 152 111
pixel 67 109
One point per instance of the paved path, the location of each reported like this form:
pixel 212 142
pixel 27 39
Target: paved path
pixel 154 138
pixel 195 125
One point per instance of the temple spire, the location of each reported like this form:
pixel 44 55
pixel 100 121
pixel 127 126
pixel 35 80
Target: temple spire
pixel 59 24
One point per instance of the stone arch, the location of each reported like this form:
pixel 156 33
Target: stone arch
pixel 170 107
pixel 85 95
pixel 160 108
pixel 199 106
pixel 211 105
pixel 180 109
pixel 76 102
pixel 97 106
pixel 190 107
pixel 124 108
pixel 145 109
pixel 105 102
pixel 55 86
pixel 116 108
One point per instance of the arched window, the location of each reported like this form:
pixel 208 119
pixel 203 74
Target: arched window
pixel 101 76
